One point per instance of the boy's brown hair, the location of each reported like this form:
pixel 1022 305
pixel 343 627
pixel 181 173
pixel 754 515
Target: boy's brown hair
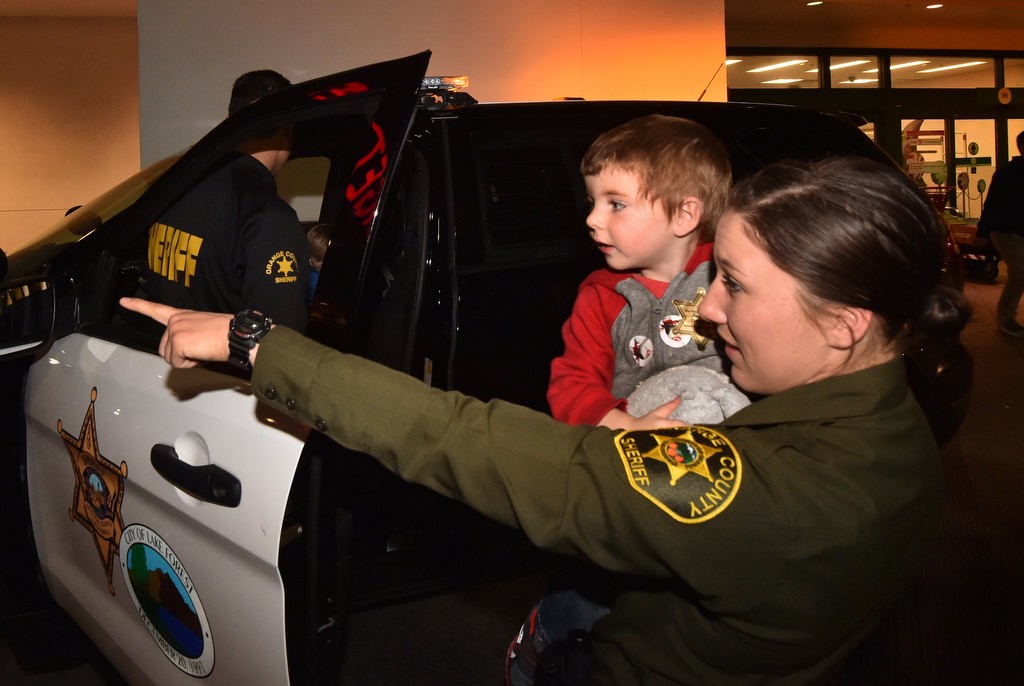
pixel 319 238
pixel 673 158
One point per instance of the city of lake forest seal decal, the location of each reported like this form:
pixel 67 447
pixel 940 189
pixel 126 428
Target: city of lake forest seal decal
pixel 691 473
pixel 99 489
pixel 167 600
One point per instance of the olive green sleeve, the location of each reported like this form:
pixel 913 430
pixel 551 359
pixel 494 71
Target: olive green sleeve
pixel 563 485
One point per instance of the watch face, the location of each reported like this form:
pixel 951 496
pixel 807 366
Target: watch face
pixel 249 322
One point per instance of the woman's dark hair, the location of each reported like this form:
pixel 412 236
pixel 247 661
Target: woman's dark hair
pixel 856 232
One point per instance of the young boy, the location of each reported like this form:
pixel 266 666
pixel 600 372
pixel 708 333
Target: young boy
pixel 319 238
pixel 658 185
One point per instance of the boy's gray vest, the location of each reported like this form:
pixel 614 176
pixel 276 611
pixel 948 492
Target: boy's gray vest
pixel 651 335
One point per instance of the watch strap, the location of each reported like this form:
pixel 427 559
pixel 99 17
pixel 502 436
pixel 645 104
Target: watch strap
pixel 245 331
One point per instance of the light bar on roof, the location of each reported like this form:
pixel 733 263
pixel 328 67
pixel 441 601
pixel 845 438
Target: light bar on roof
pixel 445 83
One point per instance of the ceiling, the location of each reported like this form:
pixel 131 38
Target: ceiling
pixel 961 25
pixel 974 15
pixel 67 8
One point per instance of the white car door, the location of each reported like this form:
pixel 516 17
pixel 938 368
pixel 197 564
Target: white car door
pixel 159 498
pixel 119 543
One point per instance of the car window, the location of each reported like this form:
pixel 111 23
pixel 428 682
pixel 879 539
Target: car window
pixel 796 137
pixel 519 194
pixel 521 248
pixel 529 208
pixel 392 293
pixel 301 182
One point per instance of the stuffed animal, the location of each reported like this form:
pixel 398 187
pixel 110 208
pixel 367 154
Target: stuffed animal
pixel 708 396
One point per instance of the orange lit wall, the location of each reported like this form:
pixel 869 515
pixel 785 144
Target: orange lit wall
pixel 669 49
pixel 84 99
pixel 69 117
pixel 191 50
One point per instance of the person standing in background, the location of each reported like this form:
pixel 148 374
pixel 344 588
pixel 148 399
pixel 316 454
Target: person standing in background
pixel 1002 222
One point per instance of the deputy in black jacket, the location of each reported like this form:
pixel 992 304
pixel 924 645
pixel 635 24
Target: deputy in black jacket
pixel 231 242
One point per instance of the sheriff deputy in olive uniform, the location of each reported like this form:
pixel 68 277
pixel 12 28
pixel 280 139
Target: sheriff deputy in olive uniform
pixel 758 551
pixel 231 242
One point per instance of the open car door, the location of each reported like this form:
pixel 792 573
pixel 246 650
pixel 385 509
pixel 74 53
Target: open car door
pixel 160 499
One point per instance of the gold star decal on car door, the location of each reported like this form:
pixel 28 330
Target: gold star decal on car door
pixel 99 489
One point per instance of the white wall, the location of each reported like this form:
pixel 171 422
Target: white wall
pixel 69 117
pixel 190 51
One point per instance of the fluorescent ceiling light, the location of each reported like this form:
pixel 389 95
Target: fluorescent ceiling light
pixel 815 3
pixel 851 63
pixel 933 7
pixel 781 81
pixel 780 65
pixel 731 61
pixel 915 63
pixel 951 66
pixel 853 81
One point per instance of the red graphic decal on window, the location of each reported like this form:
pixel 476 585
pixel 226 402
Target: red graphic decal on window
pixel 339 91
pixel 369 174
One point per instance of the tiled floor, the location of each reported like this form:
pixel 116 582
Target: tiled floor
pixel 991 443
pixel 992 440
pixel 962 623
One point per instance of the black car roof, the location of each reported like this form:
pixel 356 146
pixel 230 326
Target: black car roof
pixel 755 133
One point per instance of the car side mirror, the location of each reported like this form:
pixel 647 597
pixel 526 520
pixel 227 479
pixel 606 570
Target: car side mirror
pixel 27 310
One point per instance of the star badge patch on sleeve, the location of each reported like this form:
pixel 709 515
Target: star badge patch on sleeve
pixel 283 267
pixel 691 473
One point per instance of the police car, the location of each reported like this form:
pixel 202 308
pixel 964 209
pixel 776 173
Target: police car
pixel 193 533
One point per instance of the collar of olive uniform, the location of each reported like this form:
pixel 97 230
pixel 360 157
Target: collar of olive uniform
pixel 860 393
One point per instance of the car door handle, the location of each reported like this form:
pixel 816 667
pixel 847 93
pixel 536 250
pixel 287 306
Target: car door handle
pixel 209 483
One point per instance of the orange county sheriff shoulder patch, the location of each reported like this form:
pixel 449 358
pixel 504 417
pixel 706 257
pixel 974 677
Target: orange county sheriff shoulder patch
pixel 692 473
pixel 283 267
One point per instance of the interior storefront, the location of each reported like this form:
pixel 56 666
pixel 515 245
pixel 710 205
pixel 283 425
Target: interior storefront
pixel 951 118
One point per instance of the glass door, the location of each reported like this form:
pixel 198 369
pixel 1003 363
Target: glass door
pixel 974 145
pixel 924 158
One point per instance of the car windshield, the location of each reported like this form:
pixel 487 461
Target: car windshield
pixel 84 220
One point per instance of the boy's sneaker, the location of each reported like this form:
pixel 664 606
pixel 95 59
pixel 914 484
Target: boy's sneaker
pixel 523 653
pixel 1012 329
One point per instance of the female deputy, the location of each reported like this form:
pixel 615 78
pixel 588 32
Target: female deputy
pixel 756 551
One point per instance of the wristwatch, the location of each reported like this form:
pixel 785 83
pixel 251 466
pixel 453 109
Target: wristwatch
pixel 246 330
